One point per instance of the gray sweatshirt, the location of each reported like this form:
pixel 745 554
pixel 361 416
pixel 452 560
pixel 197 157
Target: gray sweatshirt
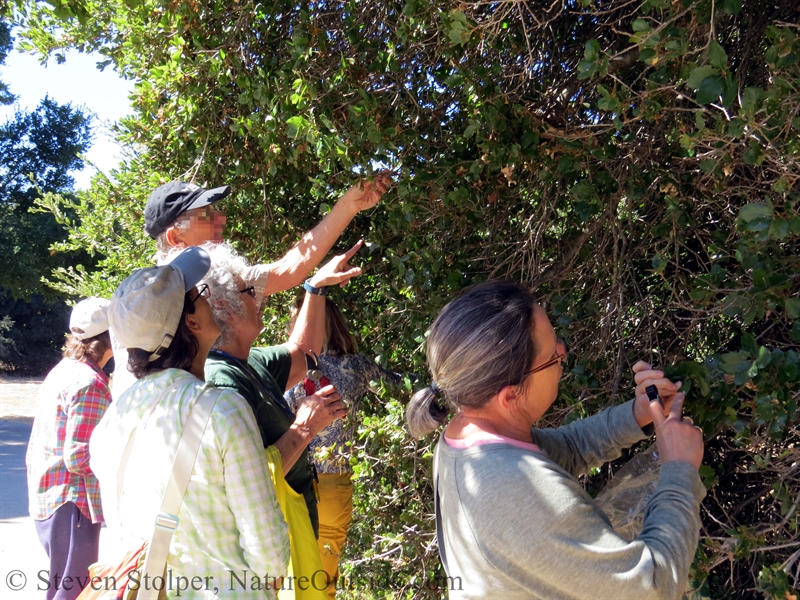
pixel 517 524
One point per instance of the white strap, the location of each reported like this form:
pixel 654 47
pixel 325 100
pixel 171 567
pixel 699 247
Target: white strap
pixel 182 466
pixel 126 454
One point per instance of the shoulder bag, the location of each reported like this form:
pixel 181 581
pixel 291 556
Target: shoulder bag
pixel 122 580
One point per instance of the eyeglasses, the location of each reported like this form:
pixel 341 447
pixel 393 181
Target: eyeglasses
pixel 203 291
pixel 557 359
pixel 251 291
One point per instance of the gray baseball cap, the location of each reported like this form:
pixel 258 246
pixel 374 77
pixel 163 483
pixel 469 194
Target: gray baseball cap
pixel 146 308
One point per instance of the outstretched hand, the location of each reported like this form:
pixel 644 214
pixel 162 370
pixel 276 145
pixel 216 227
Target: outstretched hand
pixel 367 193
pixel 644 375
pixel 337 270
pixel 678 439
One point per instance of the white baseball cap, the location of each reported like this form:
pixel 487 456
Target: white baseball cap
pixel 89 318
pixel 146 308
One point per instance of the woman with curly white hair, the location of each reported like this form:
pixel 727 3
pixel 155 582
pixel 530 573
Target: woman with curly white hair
pixel 262 374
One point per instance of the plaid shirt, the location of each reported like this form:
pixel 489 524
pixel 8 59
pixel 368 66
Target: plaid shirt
pixel 230 522
pixel 71 402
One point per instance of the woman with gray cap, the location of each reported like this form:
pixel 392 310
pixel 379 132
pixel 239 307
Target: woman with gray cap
pixel 229 522
pixel 62 490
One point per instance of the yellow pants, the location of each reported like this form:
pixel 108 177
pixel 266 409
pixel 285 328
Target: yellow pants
pixel 335 513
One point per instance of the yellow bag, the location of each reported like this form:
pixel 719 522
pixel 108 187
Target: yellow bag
pixel 305 578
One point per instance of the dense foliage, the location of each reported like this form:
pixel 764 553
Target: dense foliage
pixel 637 163
pixel 38 151
pixel 31 333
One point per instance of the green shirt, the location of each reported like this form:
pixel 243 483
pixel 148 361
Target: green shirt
pixel 262 382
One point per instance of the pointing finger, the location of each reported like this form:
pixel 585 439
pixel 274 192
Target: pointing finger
pixel 352 272
pixel 352 252
pixel 657 414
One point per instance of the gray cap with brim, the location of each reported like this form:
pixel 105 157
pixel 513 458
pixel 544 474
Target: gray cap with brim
pixel 146 308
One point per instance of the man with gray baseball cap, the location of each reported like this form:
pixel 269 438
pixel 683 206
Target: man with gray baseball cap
pixel 169 201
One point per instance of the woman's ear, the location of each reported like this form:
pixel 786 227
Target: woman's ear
pixel 192 323
pixel 507 397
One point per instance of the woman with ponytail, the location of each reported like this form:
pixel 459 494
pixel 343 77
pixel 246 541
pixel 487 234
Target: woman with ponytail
pixel 512 519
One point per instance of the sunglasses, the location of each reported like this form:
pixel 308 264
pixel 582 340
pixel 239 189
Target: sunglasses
pixel 557 359
pixel 204 291
pixel 251 291
pixel 209 211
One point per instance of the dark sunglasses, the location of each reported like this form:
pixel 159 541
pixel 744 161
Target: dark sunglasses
pixel 204 291
pixel 210 210
pixel 251 291
pixel 557 359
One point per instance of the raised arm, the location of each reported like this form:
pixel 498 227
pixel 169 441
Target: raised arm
pixel 293 268
pixel 590 442
pixel 309 329
pixel 325 406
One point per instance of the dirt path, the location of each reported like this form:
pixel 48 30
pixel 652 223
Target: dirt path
pixel 18 396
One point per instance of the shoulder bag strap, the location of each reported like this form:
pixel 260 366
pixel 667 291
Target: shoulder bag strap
pixel 167 519
pixel 439 528
pixel 126 454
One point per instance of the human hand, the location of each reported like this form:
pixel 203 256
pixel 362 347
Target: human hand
pixel 644 376
pixel 317 411
pixel 337 270
pixel 367 193
pixel 678 439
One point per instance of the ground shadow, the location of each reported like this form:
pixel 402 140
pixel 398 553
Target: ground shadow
pixel 14 435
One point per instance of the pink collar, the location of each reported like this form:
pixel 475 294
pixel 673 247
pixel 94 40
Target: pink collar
pixel 483 438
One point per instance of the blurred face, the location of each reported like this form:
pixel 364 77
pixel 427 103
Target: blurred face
pixel 205 225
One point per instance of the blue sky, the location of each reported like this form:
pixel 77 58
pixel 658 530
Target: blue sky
pixel 79 82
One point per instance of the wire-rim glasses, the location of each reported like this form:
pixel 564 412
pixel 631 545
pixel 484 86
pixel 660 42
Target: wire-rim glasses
pixel 557 359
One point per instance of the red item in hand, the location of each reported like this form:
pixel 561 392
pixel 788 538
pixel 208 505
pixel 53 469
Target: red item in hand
pixel 310 386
